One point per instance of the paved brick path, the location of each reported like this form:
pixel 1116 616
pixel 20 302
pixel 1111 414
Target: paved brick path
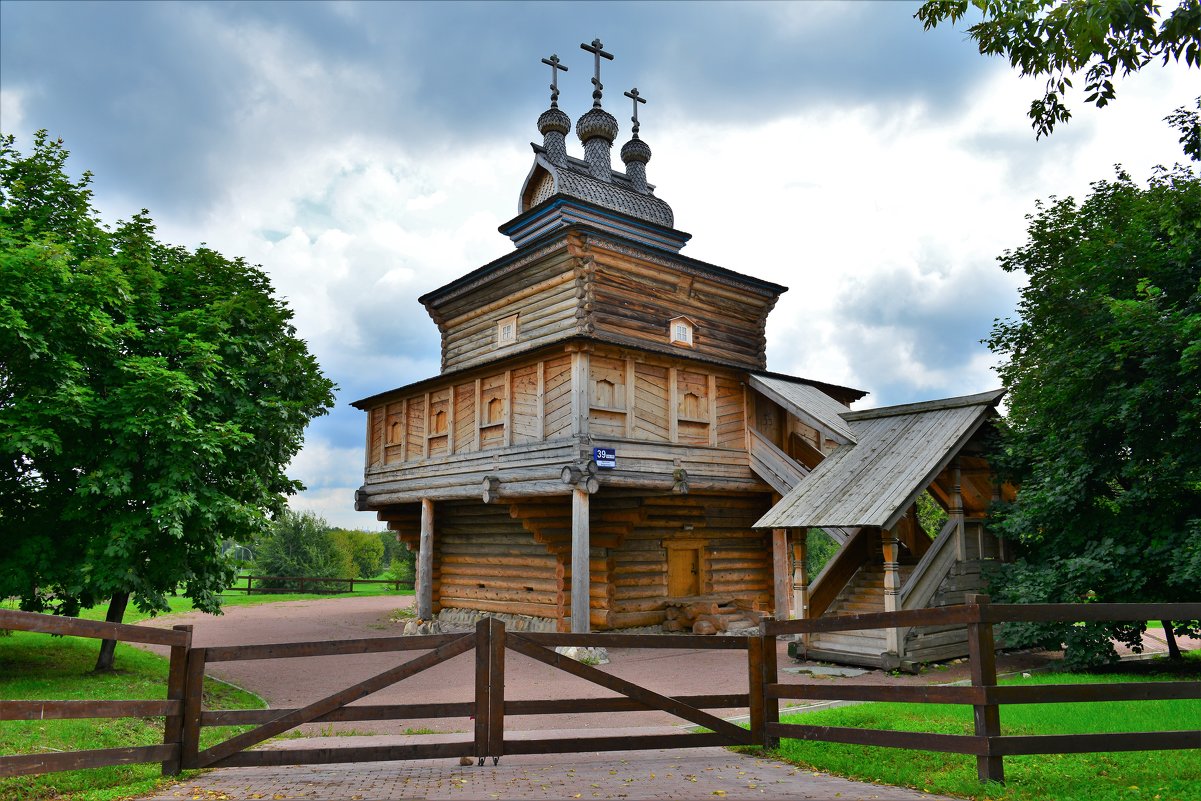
pixel 692 773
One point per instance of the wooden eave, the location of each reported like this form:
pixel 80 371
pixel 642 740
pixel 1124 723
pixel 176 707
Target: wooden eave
pixel 481 276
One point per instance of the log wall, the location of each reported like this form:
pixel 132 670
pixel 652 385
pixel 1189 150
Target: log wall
pixel 545 295
pixel 515 558
pixel 634 298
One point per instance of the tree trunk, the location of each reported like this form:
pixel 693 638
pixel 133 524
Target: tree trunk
pixel 1173 648
pixel 116 612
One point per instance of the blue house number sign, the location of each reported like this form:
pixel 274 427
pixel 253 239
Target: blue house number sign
pixel 605 458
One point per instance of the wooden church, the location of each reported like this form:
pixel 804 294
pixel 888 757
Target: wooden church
pixel 605 448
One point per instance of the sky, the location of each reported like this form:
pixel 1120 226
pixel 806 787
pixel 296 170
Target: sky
pixel 365 153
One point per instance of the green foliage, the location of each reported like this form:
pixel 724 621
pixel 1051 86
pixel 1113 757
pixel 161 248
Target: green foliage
pixel 1055 40
pixel 150 398
pixel 930 514
pixel 364 549
pixel 391 545
pixel 404 567
pixel 1103 372
pixel 819 550
pixel 301 544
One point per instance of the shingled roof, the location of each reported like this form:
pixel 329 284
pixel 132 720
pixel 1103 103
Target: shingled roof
pixel 897 452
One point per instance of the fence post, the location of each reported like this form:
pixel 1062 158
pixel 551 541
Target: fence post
pixel 756 700
pixel 982 652
pixel 176 686
pixel 483 662
pixel 771 675
pixel 496 690
pixel 193 697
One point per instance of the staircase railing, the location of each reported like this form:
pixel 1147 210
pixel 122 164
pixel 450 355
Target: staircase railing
pixel 774 465
pixel 930 570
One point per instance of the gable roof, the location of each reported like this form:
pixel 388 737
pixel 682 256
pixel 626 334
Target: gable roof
pixel 807 403
pixel 896 453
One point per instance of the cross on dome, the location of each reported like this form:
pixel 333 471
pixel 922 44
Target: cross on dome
pixel 598 52
pixel 637 98
pixel 555 66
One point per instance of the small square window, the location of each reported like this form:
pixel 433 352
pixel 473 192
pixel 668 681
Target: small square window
pixel 506 331
pixel 680 331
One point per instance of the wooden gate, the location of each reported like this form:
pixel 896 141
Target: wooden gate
pixel 487 703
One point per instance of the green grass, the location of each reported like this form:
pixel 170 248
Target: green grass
pixel 1153 775
pixel 180 604
pixel 38 666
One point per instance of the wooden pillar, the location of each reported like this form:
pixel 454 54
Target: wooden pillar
pixel 425 562
pixel 581 549
pixel 779 570
pixel 800 578
pixel 892 585
pixel 956 511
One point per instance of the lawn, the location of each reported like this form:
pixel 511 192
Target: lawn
pixel 38 666
pixel 1153 775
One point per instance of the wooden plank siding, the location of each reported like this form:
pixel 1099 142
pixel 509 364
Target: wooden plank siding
pixel 514 422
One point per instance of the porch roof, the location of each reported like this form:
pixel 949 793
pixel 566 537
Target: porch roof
pixel 896 452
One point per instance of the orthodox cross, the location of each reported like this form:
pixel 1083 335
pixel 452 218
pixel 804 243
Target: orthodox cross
pixel 597 50
pixel 637 98
pixel 555 66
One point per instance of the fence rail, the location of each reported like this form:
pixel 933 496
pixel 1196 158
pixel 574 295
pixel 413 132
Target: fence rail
pixel 984 695
pixel 184 716
pixel 170 753
pixel 309 584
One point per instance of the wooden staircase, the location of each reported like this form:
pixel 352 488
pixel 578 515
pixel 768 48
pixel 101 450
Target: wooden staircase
pixel 862 594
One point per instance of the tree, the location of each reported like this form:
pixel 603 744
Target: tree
pixel 365 550
pixel 1103 372
pixel 150 399
pixel 301 544
pixel 1055 40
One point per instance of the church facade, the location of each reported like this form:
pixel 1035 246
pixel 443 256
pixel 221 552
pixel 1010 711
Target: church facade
pixel 604 447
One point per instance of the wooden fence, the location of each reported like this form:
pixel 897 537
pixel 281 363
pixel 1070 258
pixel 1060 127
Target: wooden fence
pixel 185 717
pixel 178 639
pixel 988 745
pixel 309 584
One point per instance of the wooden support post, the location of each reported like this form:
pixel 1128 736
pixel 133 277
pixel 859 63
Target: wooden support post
pixel 779 558
pixel 892 586
pixel 425 562
pixel 581 548
pixel 177 676
pixel 581 393
pixel 982 653
pixel 956 511
pixel 496 689
pixel 193 697
pixel 756 692
pixel 483 687
pixel 673 406
pixel 771 675
pixel 800 577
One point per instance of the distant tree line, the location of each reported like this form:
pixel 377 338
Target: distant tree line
pixel 304 545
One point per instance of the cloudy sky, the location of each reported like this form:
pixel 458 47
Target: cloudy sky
pixel 366 153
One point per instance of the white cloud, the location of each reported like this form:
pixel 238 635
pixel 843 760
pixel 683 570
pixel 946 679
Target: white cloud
pixel 12 110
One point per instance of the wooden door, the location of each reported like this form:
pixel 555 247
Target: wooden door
pixel 683 572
